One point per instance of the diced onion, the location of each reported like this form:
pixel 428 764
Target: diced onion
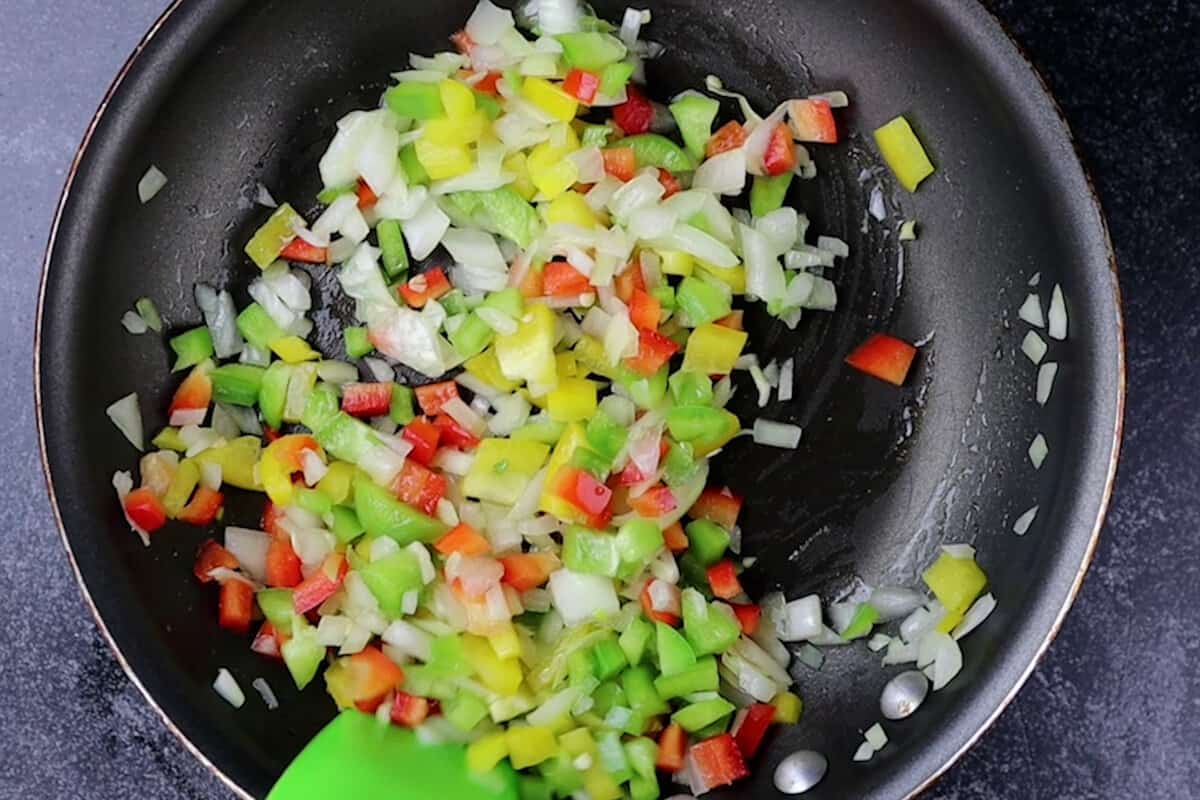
pixel 786 379
pixel 1057 316
pixel 1021 526
pixel 979 611
pixel 1045 382
pixel 488 23
pixel 133 323
pixel 151 183
pixel 1031 311
pixel 876 737
pixel 461 413
pixel 895 602
pixel 210 475
pixel 1034 347
pixel 722 174
pixel 126 414
pixel 800 619
pixel 777 434
pixel 763 386
pixel 228 688
pixel 864 752
pixel 264 690
pixel 1038 450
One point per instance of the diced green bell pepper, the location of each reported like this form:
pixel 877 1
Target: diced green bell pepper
pixel 414 173
pixel 391 242
pixel 303 653
pixel 313 500
pixel 700 715
pixel 581 670
pixel 637 542
pixel 701 677
pixel 390 578
pixel 346 438
pixel 590 552
pixel 701 302
pixel 675 655
pixel 705 428
pixel 695 114
pixel 330 193
pixel 655 150
pixel 708 628
pixel 272 393
pixel 643 788
pixel 357 343
pixel 277 607
pixel 455 302
pixel 591 50
pixel 561 775
pixel 664 293
pixel 472 336
pixel 638 684
pixel 608 659
pixel 715 728
pixel 691 389
pixel 595 135
pixel 614 78
pixel 237 384
pixel 381 514
pixel 268 241
pixel 864 619
pixel 415 99
pixel 465 711
pixel 530 788
pixel 767 193
pixel 635 639
pixel 646 393
pixel 346 526
pixel 191 347
pixel 681 464
pixel 589 460
pixel 707 541
pixel 321 408
pixel 605 437
pixel 257 327
pixel 503 211
pixel 401 411
pixel 488 104
pixel 606 696
pixel 540 428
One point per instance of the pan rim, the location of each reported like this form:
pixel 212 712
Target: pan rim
pixel 1092 201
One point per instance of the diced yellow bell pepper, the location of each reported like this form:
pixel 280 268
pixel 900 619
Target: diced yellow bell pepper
pixel 702 447
pixel 486 367
pixel 237 460
pixel 506 645
pixel 574 437
pixel 502 468
pixel 949 621
pixel 511 706
pixel 529 745
pixel 578 742
pixel 528 353
pixel 452 131
pixel 484 754
pixel 517 165
pixel 501 675
pixel 903 152
pixel 294 350
pixel 574 400
pixel 599 785
pixel 568 367
pixel 276 479
pixel 787 708
pixel 443 161
pixel 591 358
pixel 338 481
pixel 677 262
pixel 187 476
pixel 713 349
pixel 551 173
pixel 550 98
pixel 457 99
pixel 955 582
pixel 733 277
pixel 571 208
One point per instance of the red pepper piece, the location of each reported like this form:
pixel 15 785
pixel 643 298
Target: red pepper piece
pixel 582 85
pixel 320 585
pixel 367 399
pixel 283 565
pixel 884 357
pixel 754 726
pixel 672 745
pixel 190 403
pixel 301 251
pixel 721 506
pixel 780 155
pixel 145 509
pixel 644 310
pixel 487 84
pixel 419 487
pixel 464 539
pixel 674 538
pixel 620 162
pixel 748 615
pixel 629 281
pixel 267 641
pixel 656 501
pixel 525 571
pixel 718 762
pixel 560 279
pixel 366 195
pixel 654 351
pixel 423 435
pixel 729 136
pixel 433 395
pixel 210 556
pixel 669 183
pixel 455 435
pixel 812 121
pixel 669 616
pixel 429 285
pixel 636 114
pixel 723 579
pixel 409 710
pixel 203 507
pixel 237 606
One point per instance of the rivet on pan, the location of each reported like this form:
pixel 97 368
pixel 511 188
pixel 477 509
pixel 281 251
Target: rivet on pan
pixel 800 771
pixel 904 694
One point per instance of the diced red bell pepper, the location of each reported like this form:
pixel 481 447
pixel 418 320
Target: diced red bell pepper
pixel 620 162
pixel 667 616
pixel 284 568
pixel 464 539
pixel 733 320
pixel 487 84
pixel 145 510
pixel 674 538
pixel 423 435
pixel 192 398
pixel 560 279
pixel 812 121
pixel 203 508
pixel 629 475
pixel 302 252
pixel 367 677
pixel 366 195
pixel 636 114
pixel 271 516
pixel 429 285
pixel 453 434
pixel 656 501
pixel 579 488
pixel 210 556
pixel 320 585
pixel 723 579
pixel 419 487
pixel 525 571
pixel 289 450
pixel 669 183
pixel 644 310
pixel 749 735
pixel 266 641
pixel 463 42
pixel 654 351
pixel 717 762
pixel 884 357
pixel 629 281
pixel 531 284
pixel 409 710
pixel 237 606
pixel 672 744
pixel 582 85
pixel 432 396
pixel 721 506
pixel 729 136
pixel 270 434
pixel 748 615
pixel 780 155
pixel 367 399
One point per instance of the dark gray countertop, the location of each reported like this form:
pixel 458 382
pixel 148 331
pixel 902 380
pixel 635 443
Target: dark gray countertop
pixel 1112 712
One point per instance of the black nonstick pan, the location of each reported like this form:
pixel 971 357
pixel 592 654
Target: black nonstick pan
pixel 225 93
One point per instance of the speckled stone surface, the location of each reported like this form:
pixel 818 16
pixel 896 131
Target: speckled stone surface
pixel 1112 712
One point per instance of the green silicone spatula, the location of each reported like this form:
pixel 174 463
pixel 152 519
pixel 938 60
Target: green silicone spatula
pixel 356 757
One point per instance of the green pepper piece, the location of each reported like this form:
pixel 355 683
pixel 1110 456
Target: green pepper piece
pixel 591 51
pixel 472 336
pixel 693 572
pixel 691 389
pixel 605 437
pixel 506 301
pixel 606 696
pixel 643 788
pixel 707 541
pixel 504 212
pixel 303 653
pixel 390 578
pixel 638 541
pixel 357 343
pixel 695 114
pixel 864 619
pixel 169 439
pixel 708 628
pixel 320 409
pixel 635 640
pixel 314 500
pixel 608 659
pixel 381 514
pixel 767 193
pixel 272 393
pixel 590 552
pixel 704 427
pixel 401 410
pixel 447 657
pixel 614 78
pixel 454 302
pixel 237 384
pixel 268 241
pixel 702 677
pixel 714 729
pixel 581 670
pixel 257 327
pixel 530 788
pixel 646 393
pixel 653 150
pixel 346 438
pixel 638 683
pixel 562 776
pixel 700 715
pixel 277 607
pixel 701 302
pixel 488 104
pixel 149 313
pixel 391 242
pixel 675 655
pixel 595 135
pixel 414 173
pixel 415 99
pixel 330 193
pixel 346 526
pixel 590 461
pixel 540 429
pixel 664 293
pixel 191 347
pixel 465 711
pixel 681 464
pixel 513 78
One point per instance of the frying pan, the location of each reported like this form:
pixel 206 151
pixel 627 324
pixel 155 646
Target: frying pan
pixel 225 93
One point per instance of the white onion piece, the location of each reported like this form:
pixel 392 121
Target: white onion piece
pixel 228 688
pixel 249 547
pixel 474 248
pixel 134 323
pixel 764 275
pixel 979 611
pixel 947 659
pixel 800 619
pixel 454 462
pixel 126 414
pixel 461 413
pixel 512 411
pixel 264 691
pixel 714 85
pixel 150 184
pixel 908 231
pixel 580 598
pixel 899 652
pixel 497 320
pixel 895 602
pixel 488 23
pixel 722 174
pixel 781 228
pixel 1038 450
pixel 760 137
pixel 1035 279
pixel 380 370
pixel 1057 316
pixel 864 752
pixel 777 434
pixel 960 551
pixel 1021 526
pixel 762 385
pixel 314 468
pixel 786 379
pixel 1031 311
pixel 210 475
pixel 878 642
pixel 409 639
pixel 185 417
pixel 559 16
pixel 831 244
pixel 876 737
pixel 339 373
pixel 424 231
pixel 1045 382
pixel 1034 347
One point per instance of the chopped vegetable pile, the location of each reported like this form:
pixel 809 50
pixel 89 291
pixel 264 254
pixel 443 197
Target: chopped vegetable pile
pixel 525 554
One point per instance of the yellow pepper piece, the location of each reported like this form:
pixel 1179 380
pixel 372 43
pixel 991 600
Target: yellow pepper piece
pixel 294 350
pixel 486 368
pixel 501 675
pixel 590 357
pixel 551 173
pixel 550 98
pixel 787 708
pixel 517 165
pixel 502 709
pixel 568 367
pixel 529 745
pixel 457 100
pixel 902 151
pixel 955 582
pixel 484 754
pixel 502 468
pixel 732 426
pixel 574 437
pixel 733 277
pixel 713 349
pixel 237 460
pixel 599 785
pixel 454 131
pixel 578 742
pixel 528 353
pixel 950 621
pixel 181 487
pixel 506 645
pixel 443 161
pixel 338 482
pixel 677 262
pixel 276 479
pixel 571 208
pixel 574 400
